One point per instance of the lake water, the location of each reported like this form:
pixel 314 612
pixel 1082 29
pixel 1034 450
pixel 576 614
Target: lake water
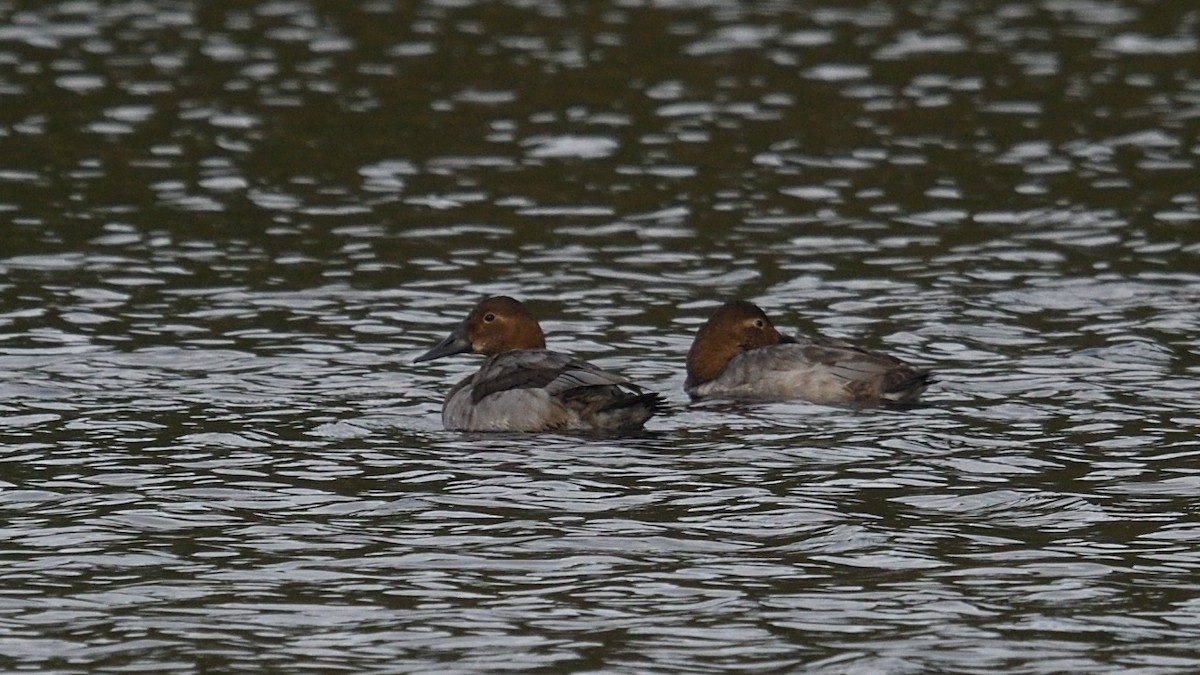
pixel 227 229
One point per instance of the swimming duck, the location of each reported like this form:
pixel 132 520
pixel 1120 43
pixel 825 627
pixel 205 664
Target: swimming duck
pixel 522 386
pixel 739 355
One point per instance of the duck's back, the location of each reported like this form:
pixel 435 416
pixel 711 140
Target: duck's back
pixel 816 369
pixel 541 390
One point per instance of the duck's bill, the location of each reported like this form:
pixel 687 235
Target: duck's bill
pixel 455 343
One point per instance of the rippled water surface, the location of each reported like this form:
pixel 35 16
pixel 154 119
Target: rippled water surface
pixel 227 228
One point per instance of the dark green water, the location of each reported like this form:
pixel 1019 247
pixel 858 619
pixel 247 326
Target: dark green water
pixel 226 228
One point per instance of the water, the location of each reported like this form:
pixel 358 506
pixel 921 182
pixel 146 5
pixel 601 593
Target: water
pixel 229 227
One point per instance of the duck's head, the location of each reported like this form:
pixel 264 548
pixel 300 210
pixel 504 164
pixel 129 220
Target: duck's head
pixel 497 324
pixel 737 326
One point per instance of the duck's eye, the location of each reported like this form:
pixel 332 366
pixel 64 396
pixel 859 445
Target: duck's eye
pixel 489 317
pixel 758 323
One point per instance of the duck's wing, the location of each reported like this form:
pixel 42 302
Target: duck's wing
pixel 554 372
pixel 866 373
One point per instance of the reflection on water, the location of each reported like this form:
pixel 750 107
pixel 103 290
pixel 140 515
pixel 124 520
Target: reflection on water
pixel 229 229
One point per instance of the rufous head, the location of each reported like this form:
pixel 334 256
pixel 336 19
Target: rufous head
pixel 497 324
pixel 737 326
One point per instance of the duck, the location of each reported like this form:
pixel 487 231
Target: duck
pixel 739 355
pixel 524 387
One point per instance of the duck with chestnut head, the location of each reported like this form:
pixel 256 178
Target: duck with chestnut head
pixel 739 355
pixel 522 386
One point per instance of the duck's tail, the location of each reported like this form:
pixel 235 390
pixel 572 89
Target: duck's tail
pixel 614 408
pixel 910 387
pixel 632 410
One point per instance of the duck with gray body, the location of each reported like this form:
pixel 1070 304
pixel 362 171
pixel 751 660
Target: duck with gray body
pixel 739 355
pixel 522 386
